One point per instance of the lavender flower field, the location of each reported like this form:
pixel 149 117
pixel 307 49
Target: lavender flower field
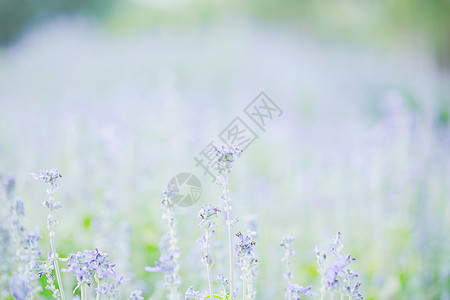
pixel 341 190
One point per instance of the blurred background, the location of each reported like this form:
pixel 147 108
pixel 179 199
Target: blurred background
pixel 121 95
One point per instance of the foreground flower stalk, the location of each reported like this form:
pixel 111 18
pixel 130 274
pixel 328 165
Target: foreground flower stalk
pixel 293 290
pixel 51 177
pixel 225 158
pixel 336 276
pixel 168 262
pixel 248 264
pixel 206 214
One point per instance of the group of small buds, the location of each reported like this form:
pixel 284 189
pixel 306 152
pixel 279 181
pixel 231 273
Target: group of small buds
pixel 336 277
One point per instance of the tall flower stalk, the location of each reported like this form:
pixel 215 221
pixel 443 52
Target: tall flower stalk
pixel 206 214
pixel 168 261
pixel 336 277
pixel 27 254
pixel 248 264
pixel 51 177
pixel 293 290
pixel 224 162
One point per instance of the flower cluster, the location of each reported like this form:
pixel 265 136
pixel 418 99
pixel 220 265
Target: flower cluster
pixel 287 244
pixel 51 177
pixel 224 163
pixel 47 268
pixel 136 295
pixel 247 263
pixel 206 215
pixel 224 283
pixel 191 294
pixel 111 288
pixel 336 277
pixel 167 263
pixel 84 265
pixel 225 157
pixel 18 286
pixel 294 291
pixel 19 248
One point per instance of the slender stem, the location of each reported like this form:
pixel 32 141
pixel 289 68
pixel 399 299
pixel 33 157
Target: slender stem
pixel 230 258
pixel 82 292
pixel 230 235
pixel 208 270
pixel 97 297
pixel 56 265
pixel 243 288
pixel 342 295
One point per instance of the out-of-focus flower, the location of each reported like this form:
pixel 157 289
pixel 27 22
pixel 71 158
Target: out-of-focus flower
pixel 111 288
pixel 18 287
pixel 89 262
pixel 247 263
pixel 168 261
pixel 294 291
pixel 225 156
pixel 136 295
pixel 336 277
pixel 191 294
pixel 50 176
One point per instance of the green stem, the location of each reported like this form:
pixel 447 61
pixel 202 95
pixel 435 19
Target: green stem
pixel 208 270
pixel 56 265
pixel 98 286
pixel 243 287
pixel 82 292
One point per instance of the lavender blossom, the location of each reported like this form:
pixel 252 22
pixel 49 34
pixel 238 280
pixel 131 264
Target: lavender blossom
pixel 51 177
pixel 6 239
pixel 32 252
pixel 293 290
pixel 224 163
pixel 84 265
pixel 168 262
pixel 224 283
pixel 5 262
pixel 111 288
pixel 248 264
pixel 136 295
pixel 18 287
pixel 27 250
pixel 336 277
pixel 47 268
pixel 287 243
pixel 191 294
pixel 206 214
pixel 225 158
